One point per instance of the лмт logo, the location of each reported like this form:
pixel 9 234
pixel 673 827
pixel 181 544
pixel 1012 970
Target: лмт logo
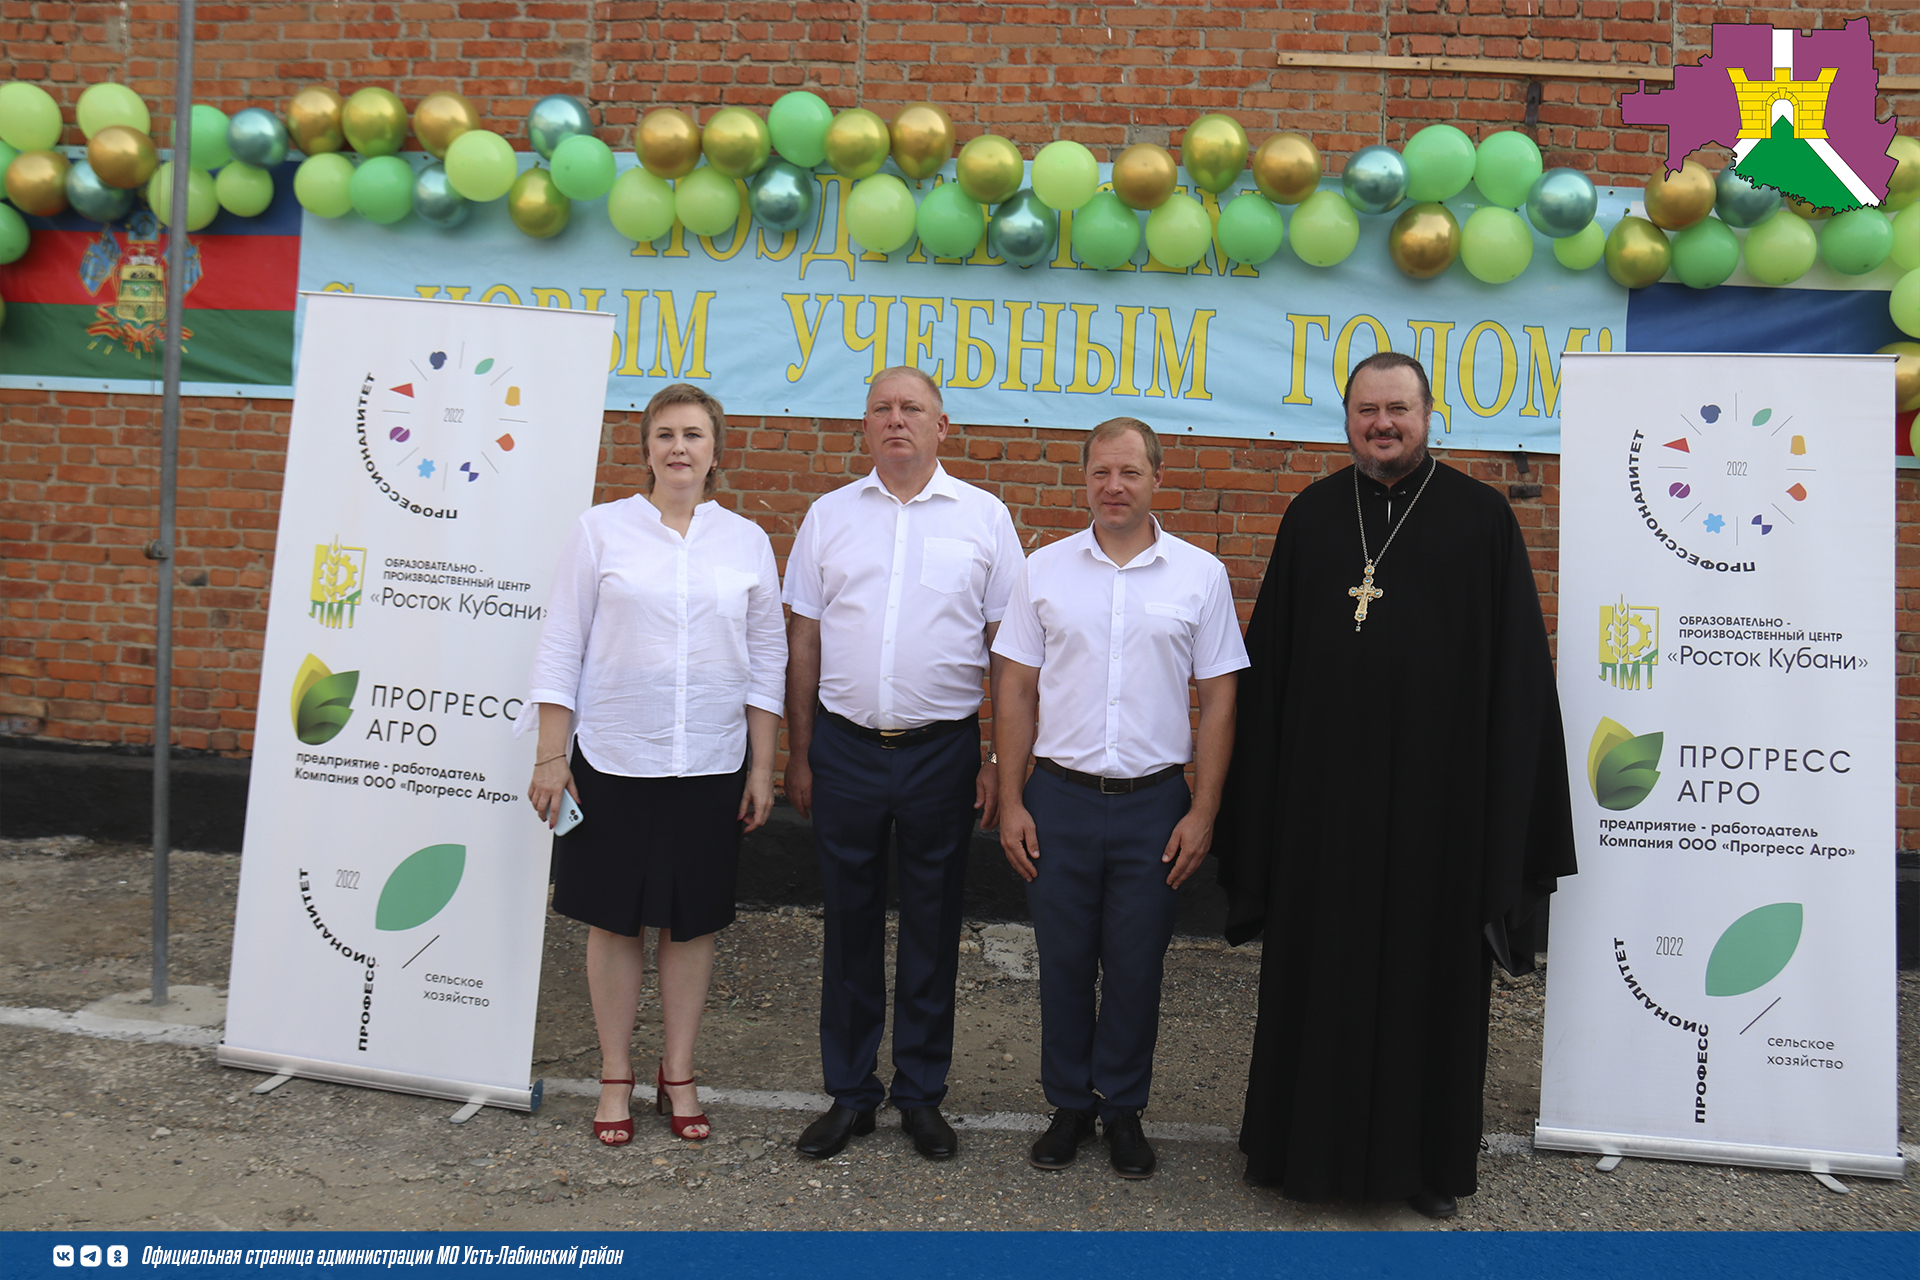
pixel 338 575
pixel 1629 643
pixel 1621 768
pixel 322 701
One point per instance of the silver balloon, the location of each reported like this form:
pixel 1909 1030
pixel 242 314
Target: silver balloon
pixel 1375 179
pixel 781 196
pixel 1023 230
pixel 92 198
pixel 435 200
pixel 1562 203
pixel 256 137
pixel 1741 204
pixel 554 119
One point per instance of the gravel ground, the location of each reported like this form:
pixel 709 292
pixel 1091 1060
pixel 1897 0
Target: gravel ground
pixel 106 1133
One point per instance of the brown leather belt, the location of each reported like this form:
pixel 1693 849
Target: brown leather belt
pixel 893 739
pixel 1107 786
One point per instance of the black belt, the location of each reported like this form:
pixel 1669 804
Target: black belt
pixel 893 739
pixel 1107 786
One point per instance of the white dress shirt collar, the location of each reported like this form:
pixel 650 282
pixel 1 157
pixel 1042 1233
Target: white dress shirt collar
pixel 1156 550
pixel 938 485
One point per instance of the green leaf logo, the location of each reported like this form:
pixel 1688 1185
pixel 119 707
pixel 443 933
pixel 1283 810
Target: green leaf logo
pixel 1621 768
pixel 1761 418
pixel 1754 949
pixel 484 365
pixel 322 701
pixel 420 886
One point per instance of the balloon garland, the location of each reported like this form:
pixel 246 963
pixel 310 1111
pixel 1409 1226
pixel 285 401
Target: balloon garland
pixel 701 176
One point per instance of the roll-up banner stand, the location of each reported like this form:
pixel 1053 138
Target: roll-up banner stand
pixel 1722 977
pixel 393 878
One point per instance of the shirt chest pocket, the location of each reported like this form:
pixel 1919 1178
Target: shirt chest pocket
pixel 730 589
pixel 946 564
pixel 1171 617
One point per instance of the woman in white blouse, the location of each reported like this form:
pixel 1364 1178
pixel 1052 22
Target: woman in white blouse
pixel 659 686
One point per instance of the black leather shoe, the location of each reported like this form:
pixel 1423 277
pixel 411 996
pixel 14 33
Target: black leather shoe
pixel 1132 1153
pixel 828 1135
pixel 1432 1205
pixel 932 1136
pixel 1061 1142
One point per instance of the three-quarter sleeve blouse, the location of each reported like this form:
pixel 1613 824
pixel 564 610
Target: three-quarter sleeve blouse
pixel 659 643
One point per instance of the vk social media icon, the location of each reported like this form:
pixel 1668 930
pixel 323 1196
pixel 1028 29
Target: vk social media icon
pixel 63 1255
pixel 89 1255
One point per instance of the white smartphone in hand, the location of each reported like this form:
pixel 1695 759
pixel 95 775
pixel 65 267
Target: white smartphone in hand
pixel 570 815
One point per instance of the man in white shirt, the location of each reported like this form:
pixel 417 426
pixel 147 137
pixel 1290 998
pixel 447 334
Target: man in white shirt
pixel 897 583
pixel 1103 633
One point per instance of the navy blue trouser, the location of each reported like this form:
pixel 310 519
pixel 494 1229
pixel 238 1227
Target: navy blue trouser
pixel 1102 916
pixel 922 795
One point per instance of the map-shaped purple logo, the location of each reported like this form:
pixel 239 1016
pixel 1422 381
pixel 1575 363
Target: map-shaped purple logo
pixel 1797 111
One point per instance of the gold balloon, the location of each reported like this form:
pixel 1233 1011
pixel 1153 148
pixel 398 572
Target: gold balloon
pixel 1637 253
pixel 1675 201
pixel 736 142
pixel 668 142
pixel 1806 210
pixel 536 205
pixel 440 118
pixel 1286 168
pixel 1904 186
pixel 37 182
pixel 1424 240
pixel 375 122
pixel 1214 151
pixel 858 143
pixel 313 120
pixel 122 156
pixel 1906 374
pixel 922 140
pixel 989 169
pixel 1144 176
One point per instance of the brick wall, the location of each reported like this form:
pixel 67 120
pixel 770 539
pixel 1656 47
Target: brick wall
pixel 77 499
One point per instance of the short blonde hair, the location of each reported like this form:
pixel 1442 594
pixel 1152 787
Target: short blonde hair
pixel 924 378
pixel 1113 429
pixel 687 393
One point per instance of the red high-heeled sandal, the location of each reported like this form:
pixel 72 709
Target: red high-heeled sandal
pixel 663 1105
pixel 616 1133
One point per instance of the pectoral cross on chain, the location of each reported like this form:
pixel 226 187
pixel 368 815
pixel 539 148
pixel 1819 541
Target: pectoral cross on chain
pixel 1366 593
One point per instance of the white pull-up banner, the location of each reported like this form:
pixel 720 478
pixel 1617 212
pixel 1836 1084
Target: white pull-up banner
pixel 1722 977
pixel 393 879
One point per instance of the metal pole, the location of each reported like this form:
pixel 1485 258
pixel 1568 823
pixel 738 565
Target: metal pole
pixel 162 549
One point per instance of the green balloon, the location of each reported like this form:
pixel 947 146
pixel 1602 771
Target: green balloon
pixel 1505 167
pixel 1855 242
pixel 707 201
pixel 107 104
pixel 1495 245
pixel 1903 304
pixel 880 213
pixel 1440 163
pixel 1250 229
pixel 206 137
pixel 322 184
pixel 14 235
pixel 29 117
pixel 1065 175
pixel 949 224
pixel 203 205
pixel 1781 249
pixel 640 206
pixel 1179 231
pixel 1325 229
pixel 583 167
pixel 1705 254
pixel 1905 251
pixel 243 189
pixel 7 155
pixel 798 125
pixel 480 165
pixel 1582 249
pixel 382 189
pixel 1105 232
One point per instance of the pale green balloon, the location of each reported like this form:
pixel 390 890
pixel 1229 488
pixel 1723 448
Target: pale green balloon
pixel 1179 231
pixel 1325 229
pixel 203 205
pixel 481 165
pixel 880 213
pixel 29 117
pixel 1065 175
pixel 243 189
pixel 1505 167
pixel 323 184
pixel 1495 245
pixel 640 206
pixel 707 201
pixel 14 234
pixel 1440 160
pixel 1903 304
pixel 107 104
pixel 1906 236
pixel 1582 249
pixel 1781 249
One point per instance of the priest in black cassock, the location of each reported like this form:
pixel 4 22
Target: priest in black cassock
pixel 1397 811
